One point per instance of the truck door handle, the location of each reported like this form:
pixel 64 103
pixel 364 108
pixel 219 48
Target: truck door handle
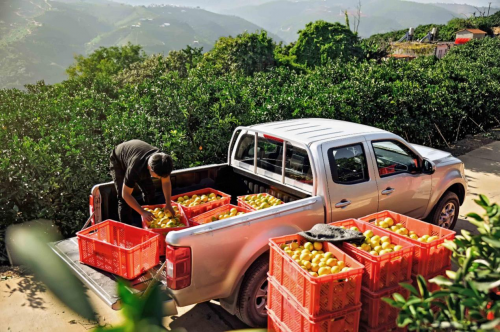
pixel 387 191
pixel 342 204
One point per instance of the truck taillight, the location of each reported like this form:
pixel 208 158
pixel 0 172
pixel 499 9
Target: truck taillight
pixel 178 267
pixel 91 207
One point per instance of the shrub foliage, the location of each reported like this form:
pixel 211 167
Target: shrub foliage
pixel 55 140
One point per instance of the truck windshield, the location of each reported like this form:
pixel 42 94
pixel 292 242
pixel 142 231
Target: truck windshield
pixel 298 170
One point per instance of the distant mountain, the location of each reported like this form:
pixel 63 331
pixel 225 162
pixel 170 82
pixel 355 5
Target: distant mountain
pixel 286 18
pixel 463 10
pixel 211 5
pixel 39 38
pixel 476 3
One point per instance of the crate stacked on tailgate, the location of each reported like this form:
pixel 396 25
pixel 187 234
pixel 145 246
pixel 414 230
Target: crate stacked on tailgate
pixel 118 248
pixel 245 201
pixel 382 276
pixel 203 206
pixel 215 214
pixel 430 258
pixel 162 232
pixel 299 301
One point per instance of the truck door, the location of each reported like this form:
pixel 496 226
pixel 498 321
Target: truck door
pixel 352 188
pixel 403 188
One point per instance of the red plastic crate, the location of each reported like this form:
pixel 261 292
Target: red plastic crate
pixel 118 248
pixel 244 204
pixel 317 296
pixel 431 286
pixel 389 328
pixel 206 217
pixel 199 209
pixel 162 232
pixel 429 258
pixel 289 316
pixel 375 312
pixel 381 272
pixel 273 324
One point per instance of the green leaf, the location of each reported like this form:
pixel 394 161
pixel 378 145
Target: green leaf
pixel 475 216
pixel 451 274
pixel 30 245
pixel 494 243
pixel 391 302
pixel 484 199
pixel 410 288
pixel 441 281
pixel 491 324
pixel 422 286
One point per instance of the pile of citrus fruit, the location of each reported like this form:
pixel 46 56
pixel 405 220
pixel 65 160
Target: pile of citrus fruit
pixel 232 213
pixel 398 228
pixel 261 201
pixel 164 219
pixel 310 257
pixel 197 200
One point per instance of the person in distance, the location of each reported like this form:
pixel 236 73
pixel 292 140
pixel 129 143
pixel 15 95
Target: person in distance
pixel 137 162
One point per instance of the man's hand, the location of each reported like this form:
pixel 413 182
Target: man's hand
pixel 147 216
pixel 170 208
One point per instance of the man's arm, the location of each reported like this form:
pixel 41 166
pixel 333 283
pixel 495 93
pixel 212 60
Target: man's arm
pixel 167 192
pixel 132 202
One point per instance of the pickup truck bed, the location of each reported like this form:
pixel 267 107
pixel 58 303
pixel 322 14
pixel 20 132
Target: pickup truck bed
pixel 220 177
pixel 104 284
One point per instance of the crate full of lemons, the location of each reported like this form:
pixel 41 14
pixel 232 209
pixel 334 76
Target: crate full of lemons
pixel 258 201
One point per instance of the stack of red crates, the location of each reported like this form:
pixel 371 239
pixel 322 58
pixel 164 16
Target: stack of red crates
pixel 430 259
pixel 299 302
pixel 381 277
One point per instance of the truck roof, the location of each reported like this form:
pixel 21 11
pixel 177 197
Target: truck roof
pixel 307 131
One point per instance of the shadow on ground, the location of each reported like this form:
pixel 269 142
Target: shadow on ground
pixel 32 289
pixel 486 159
pixel 215 319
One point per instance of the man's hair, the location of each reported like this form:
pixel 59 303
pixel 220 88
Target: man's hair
pixel 161 164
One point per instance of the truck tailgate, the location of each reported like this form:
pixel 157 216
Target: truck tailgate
pixel 104 284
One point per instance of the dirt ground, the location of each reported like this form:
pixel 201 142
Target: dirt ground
pixel 26 305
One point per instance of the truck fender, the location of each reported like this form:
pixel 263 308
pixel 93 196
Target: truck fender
pixel 452 178
pixel 262 241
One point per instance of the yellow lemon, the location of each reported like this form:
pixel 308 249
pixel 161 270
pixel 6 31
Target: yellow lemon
pixel 368 233
pixel 314 267
pixel 309 246
pixel 398 247
pixel 341 264
pixel 335 269
pixel 331 262
pixel 384 239
pixel 389 221
pixel 318 245
pixel 324 271
pixel 374 253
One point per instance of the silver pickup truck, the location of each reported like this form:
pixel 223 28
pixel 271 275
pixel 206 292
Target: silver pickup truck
pixel 324 170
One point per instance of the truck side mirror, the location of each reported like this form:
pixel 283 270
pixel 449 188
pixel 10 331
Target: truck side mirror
pixel 428 167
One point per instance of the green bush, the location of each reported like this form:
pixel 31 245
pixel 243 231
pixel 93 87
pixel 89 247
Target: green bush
pixel 55 140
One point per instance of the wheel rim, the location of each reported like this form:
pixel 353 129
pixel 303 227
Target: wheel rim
pixel 447 215
pixel 261 298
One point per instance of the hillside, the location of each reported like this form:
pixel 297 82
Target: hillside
pixel 285 18
pixel 39 38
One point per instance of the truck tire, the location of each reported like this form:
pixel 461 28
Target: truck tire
pixel 445 213
pixel 252 300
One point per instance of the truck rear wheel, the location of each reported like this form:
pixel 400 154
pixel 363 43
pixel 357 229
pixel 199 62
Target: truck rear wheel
pixel 445 213
pixel 252 299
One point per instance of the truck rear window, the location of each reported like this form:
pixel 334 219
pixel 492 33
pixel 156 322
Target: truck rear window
pixel 270 159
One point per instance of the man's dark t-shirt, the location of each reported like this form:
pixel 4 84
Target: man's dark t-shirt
pixel 132 156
